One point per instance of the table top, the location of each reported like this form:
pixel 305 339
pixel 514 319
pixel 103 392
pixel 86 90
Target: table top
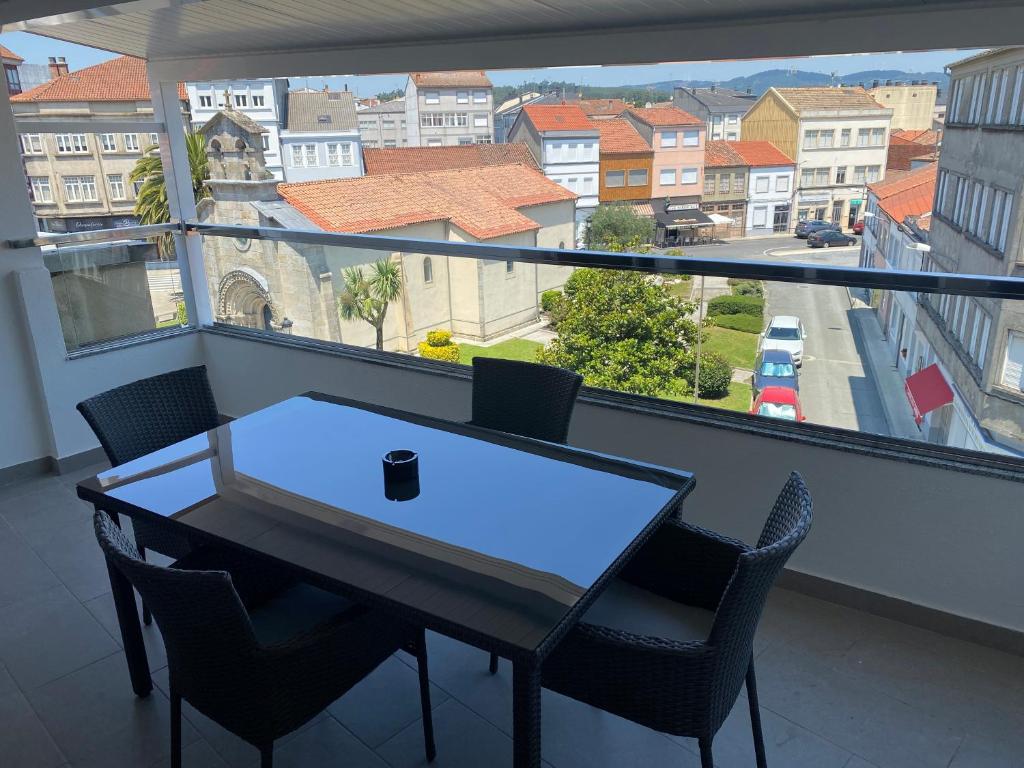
pixel 500 538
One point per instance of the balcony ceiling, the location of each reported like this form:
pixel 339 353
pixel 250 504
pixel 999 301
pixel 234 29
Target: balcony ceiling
pixel 511 33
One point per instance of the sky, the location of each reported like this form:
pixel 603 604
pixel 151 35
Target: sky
pixel 35 50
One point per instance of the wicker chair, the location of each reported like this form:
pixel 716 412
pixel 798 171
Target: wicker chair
pixel 259 673
pixel 144 416
pixel 669 643
pixel 524 399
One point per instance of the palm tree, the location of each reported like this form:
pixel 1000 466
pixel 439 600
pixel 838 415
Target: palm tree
pixel 151 204
pixel 367 298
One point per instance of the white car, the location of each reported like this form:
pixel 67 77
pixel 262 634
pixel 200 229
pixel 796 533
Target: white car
pixel 787 333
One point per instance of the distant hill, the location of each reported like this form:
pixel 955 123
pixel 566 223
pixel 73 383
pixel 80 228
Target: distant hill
pixel 786 78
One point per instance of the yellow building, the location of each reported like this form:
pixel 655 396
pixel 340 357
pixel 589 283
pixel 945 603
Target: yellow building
pixel 912 104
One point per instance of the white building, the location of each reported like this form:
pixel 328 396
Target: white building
pixel 322 139
pixel 771 180
pixel 566 145
pixel 449 108
pixel 262 100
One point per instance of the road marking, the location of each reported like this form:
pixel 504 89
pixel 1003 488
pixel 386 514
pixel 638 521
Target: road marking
pixel 797 251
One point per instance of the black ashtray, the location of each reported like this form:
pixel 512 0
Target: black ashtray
pixel 401 475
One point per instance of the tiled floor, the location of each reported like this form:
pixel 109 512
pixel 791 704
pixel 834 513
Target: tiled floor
pixel 839 689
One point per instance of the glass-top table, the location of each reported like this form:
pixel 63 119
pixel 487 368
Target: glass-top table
pixel 500 541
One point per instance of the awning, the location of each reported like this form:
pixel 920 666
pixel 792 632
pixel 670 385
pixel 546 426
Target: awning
pixel 927 390
pixel 644 209
pixel 689 217
pixel 718 218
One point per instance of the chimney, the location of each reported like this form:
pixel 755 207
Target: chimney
pixel 888 83
pixel 54 69
pixel 62 65
pixel 714 87
pixel 750 91
pixel 875 83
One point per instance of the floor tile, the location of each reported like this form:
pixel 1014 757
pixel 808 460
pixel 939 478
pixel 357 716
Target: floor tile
pixel 102 608
pixel 39 515
pixel 326 744
pixel 24 740
pixel 74 555
pixel 384 703
pixel 97 720
pixel 49 635
pixel 198 754
pixel 22 573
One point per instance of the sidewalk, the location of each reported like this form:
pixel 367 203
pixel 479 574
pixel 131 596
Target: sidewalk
pixel 888 380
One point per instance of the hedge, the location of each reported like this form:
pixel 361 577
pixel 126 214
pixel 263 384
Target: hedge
pixel 736 305
pixel 746 287
pixel 715 375
pixel 549 300
pixel 439 346
pixel 746 323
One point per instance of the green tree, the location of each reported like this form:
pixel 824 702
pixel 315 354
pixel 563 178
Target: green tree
pixel 367 298
pixel 151 204
pixel 618 223
pixel 391 95
pixel 621 331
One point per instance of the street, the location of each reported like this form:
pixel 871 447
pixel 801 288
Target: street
pixel 836 387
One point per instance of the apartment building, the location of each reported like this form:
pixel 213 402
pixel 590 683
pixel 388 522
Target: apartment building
pixel 721 109
pixel 383 125
pixel 449 108
pixel 839 138
pixel 321 140
pixel 11 61
pixel 772 180
pixel 912 104
pixel 977 229
pixel 262 100
pixel 566 145
pixel 79 181
pixel 726 176
pixel 677 138
pixel 626 163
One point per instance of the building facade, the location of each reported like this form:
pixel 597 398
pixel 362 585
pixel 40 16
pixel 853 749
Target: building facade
pixel 384 125
pixel 626 163
pixel 566 145
pixel 12 76
pixel 726 179
pixel 322 139
pixel 80 181
pixel 772 181
pixel 721 109
pixel 263 101
pixel 449 108
pixel 912 104
pixel 839 138
pixel 677 139
pixel 977 229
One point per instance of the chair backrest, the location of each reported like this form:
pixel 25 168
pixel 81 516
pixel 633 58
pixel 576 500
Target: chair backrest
pixel 525 399
pixel 742 603
pixel 149 414
pixel 206 629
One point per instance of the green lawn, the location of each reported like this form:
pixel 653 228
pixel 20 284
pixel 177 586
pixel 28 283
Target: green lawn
pixel 738 398
pixel 512 349
pixel 680 290
pixel 737 347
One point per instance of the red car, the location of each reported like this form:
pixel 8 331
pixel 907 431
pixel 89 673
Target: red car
pixel 858 227
pixel 778 403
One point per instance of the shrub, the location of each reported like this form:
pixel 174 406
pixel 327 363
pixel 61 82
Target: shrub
pixel 736 305
pixel 181 314
pixel 674 252
pixel 715 375
pixel 746 287
pixel 745 323
pixel 549 299
pixel 439 346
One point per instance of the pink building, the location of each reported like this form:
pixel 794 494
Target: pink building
pixel 677 138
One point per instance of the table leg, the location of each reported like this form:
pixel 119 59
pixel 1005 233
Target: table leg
pixel 131 632
pixel 526 736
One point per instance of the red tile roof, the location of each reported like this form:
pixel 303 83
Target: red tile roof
pixel 412 159
pixel 470 78
pixel 929 138
pixel 558 117
pixel 484 201
pixel 722 154
pixel 761 154
pixel 664 116
pixel 618 137
pixel 120 79
pixel 909 195
pixel 7 53
pixel 603 107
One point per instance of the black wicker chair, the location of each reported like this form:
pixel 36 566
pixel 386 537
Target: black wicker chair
pixel 669 643
pixel 144 416
pixel 523 399
pixel 259 673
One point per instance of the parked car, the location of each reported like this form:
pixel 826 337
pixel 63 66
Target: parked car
pixel 826 238
pixel 787 333
pixel 775 368
pixel 805 228
pixel 858 227
pixel 778 403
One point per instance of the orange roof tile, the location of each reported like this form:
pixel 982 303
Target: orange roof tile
pixel 761 154
pixel 558 117
pixel 468 77
pixel 925 137
pixel 664 116
pixel 482 201
pixel 7 53
pixel 618 137
pixel 412 159
pixel 722 154
pixel 120 79
pixel 603 107
pixel 909 195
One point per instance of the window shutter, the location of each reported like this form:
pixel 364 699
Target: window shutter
pixel 1013 370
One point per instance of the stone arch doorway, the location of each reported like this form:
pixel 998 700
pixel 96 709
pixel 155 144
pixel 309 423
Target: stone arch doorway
pixel 243 298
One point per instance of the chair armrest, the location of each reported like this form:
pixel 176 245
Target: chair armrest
pixel 685 563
